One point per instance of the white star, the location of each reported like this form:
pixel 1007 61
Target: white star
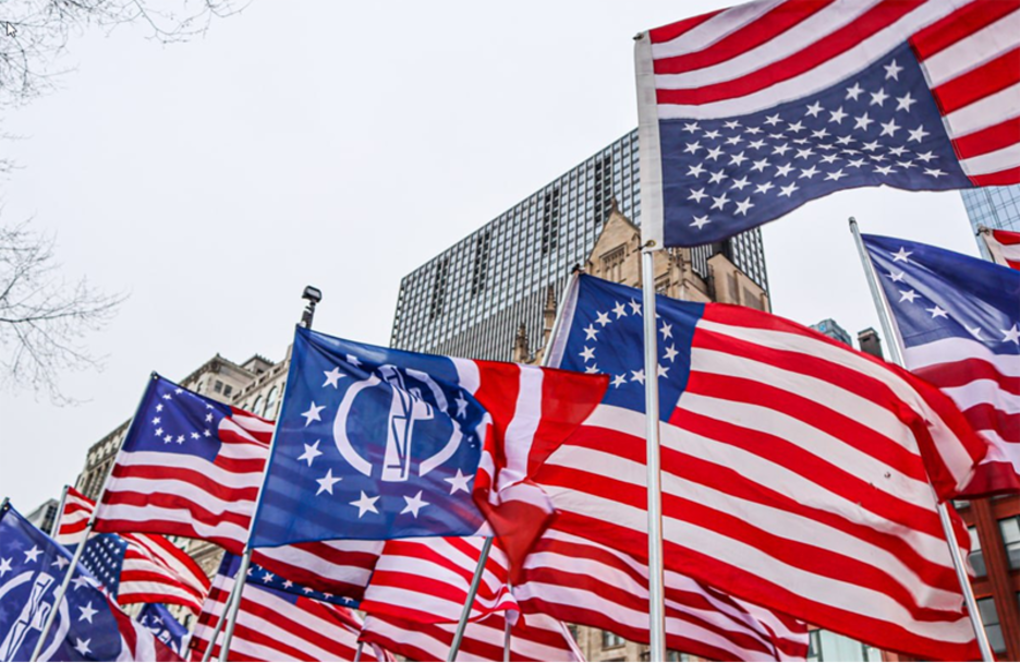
pixel 206 433
pixel 742 207
pixel 32 554
pixel 795 126
pixel 855 163
pixel 588 354
pixel 60 563
pixel 712 134
pixel 892 71
pixel 638 376
pixel 918 134
pixel 734 140
pixel 808 172
pixel 820 134
pixel 267 577
pixel 353 361
pixel 889 128
pixel 878 97
pixel 79 582
pixel 209 417
pixel 781 150
pixel 764 188
pixel 756 144
pixel 937 312
pixel 902 255
pixel 897 151
pixel 715 178
pixel 845 140
pixel 925 156
pixel 159 407
pixel 905 164
pixel 180 439
pixel 871 147
pixel 976 331
pixel 195 436
pixel 663 371
pixel 814 109
pixel 666 330
pixel 830 158
pixel 691 127
pixel 896 277
pixel 414 504
pixel 1012 335
pixel 772 120
pixel 326 483
pixel 732 124
pixel 862 122
pixel 837 115
pixel 307 590
pixel 332 377
pixel 602 319
pixel 82 646
pixel 854 92
pixel 287 584
pixel 760 165
pixel 5 566
pixel 752 130
pixel 671 352
pixel 619 380
pixel 462 404
pixel 700 221
pixel 934 172
pixel 167 397
pixel 695 170
pixel 697 195
pixel 365 504
pixel 635 308
pixel 885 170
pixel 714 153
pixel 312 413
pixel 836 175
pixel 692 148
pixel 739 184
pixel 908 296
pixel 311 452
pixel 788 190
pixel 719 202
pixel 783 171
pixel 905 102
pixel 590 333
pixel 155 421
pixel 159 432
pixel 459 482
pixel 591 370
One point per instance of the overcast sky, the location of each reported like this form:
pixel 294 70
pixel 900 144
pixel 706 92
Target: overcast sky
pixel 339 144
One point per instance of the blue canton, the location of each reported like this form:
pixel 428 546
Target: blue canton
pixel 264 578
pixel 156 618
pixel 372 443
pixel 606 335
pixel 879 127
pixel 936 294
pixel 104 558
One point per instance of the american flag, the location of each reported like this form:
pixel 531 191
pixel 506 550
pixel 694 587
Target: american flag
pixel 191 466
pixel 158 620
pixel 795 470
pixel 581 581
pixel 1003 245
pixel 760 108
pixel 135 568
pixel 273 625
pixel 418 592
pixel 959 321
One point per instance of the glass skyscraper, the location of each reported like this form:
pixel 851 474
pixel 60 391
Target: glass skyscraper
pixel 993 207
pixel 470 300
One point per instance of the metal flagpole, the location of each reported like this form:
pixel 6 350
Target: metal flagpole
pixel 60 513
pixel 656 581
pixel 58 598
pixel 357 653
pixel 476 581
pixel 3 505
pixel 896 354
pixel 507 636
pixel 216 632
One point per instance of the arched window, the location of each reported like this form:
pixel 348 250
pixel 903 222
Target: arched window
pixel 270 404
pixel 256 406
pixel 198 388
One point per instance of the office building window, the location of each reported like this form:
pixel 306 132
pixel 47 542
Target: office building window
pixel 610 640
pixel 1010 529
pixel 828 646
pixel 270 411
pixel 218 387
pixel 990 618
pixel 977 557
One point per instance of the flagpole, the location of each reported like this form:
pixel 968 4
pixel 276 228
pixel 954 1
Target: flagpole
pixel 896 355
pixel 60 513
pixel 216 632
pixel 507 635
pixel 357 652
pixel 58 598
pixel 476 581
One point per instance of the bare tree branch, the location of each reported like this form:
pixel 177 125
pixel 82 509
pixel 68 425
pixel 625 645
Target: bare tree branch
pixel 42 317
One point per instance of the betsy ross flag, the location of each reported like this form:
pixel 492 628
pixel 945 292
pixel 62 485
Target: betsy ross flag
pixel 191 466
pixel 376 443
pixel 134 568
pixel 749 112
pixel 797 473
pixel 958 320
pixel 88 626
pixel 1003 245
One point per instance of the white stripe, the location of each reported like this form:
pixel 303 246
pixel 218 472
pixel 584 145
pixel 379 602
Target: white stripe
pixel 249 449
pixel 950 350
pixel 985 112
pixel 714 29
pixel 821 77
pixel 993 162
pixel 168 463
pixel 467 374
pixel 520 432
pixel 802 36
pixel 252 423
pixel 836 593
pixel 980 392
pixel 146 514
pixel 976 49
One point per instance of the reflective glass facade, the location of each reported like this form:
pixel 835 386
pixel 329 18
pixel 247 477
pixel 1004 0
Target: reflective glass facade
pixel 470 300
pixel 993 207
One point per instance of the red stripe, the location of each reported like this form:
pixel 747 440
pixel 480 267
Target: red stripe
pixel 1000 178
pixel 963 372
pixel 986 417
pixel 1006 237
pixel 201 483
pixel 958 25
pixel 166 501
pixel 978 83
pixel 674 30
pixel 989 139
pixel 823 50
pixel 769 26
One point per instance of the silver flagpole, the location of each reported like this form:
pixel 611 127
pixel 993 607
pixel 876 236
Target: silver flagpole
pixel 896 354
pixel 507 631
pixel 216 632
pixel 357 653
pixel 60 513
pixel 58 598
pixel 476 581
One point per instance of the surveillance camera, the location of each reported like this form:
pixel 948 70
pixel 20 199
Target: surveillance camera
pixel 312 294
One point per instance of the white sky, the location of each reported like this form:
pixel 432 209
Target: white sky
pixel 339 144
